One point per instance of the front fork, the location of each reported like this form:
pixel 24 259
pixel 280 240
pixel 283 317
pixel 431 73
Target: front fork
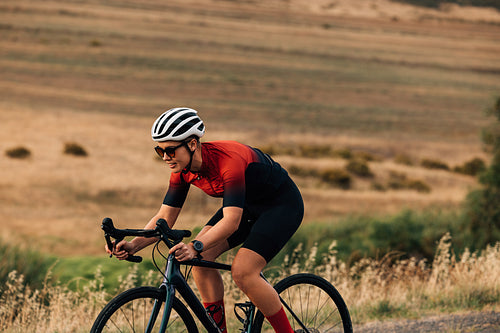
pixel 173 280
pixel 169 289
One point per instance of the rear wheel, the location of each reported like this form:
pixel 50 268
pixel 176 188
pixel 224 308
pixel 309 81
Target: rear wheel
pixel 135 309
pixel 314 306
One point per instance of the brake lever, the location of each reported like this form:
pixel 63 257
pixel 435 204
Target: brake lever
pixel 110 244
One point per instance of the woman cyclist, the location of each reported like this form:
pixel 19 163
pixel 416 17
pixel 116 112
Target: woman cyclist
pixel 262 208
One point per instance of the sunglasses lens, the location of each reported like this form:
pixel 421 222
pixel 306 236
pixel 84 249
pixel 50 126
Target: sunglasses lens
pixel 159 151
pixel 170 152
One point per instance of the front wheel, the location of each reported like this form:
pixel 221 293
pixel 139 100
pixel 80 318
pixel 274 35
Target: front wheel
pixel 139 310
pixel 312 305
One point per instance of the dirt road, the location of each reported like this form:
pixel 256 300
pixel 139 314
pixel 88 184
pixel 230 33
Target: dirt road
pixel 485 322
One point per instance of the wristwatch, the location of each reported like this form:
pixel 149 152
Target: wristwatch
pixel 197 245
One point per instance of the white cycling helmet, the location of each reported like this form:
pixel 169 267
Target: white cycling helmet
pixel 177 124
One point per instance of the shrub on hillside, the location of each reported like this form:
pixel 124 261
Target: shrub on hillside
pixel 472 167
pixel 378 186
pixel 18 152
pixel 314 150
pixel 403 159
pixel 366 156
pixel 302 172
pixel 418 185
pixel 359 167
pixel 397 180
pixel 434 164
pixel 95 43
pixel 336 177
pixel 400 181
pixel 344 153
pixel 71 148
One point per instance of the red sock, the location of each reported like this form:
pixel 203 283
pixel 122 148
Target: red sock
pixel 280 322
pixel 216 311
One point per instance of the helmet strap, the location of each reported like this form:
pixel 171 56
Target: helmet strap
pixel 188 167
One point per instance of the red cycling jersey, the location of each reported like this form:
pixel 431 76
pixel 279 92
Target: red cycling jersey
pixel 231 170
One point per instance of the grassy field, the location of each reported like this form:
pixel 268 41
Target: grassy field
pixel 373 290
pixel 98 72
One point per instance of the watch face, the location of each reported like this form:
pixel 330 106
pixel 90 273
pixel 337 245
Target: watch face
pixel 198 246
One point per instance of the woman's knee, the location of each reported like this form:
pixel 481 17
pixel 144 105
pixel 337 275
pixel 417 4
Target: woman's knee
pixel 240 275
pixel 246 267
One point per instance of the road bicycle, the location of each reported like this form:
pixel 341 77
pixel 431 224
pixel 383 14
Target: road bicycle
pixel 312 304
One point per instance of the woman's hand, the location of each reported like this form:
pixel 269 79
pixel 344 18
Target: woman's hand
pixel 183 252
pixel 122 250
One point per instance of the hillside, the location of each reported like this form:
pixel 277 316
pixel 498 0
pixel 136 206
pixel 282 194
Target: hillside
pixel 275 74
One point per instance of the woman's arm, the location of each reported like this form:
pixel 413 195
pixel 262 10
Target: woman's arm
pixel 222 230
pixel 124 248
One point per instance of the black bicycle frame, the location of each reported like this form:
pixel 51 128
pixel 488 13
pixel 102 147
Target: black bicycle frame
pixel 174 280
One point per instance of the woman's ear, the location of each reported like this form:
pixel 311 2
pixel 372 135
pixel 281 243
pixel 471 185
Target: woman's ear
pixel 193 144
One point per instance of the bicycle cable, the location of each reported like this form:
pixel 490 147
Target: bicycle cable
pixel 187 271
pixel 156 247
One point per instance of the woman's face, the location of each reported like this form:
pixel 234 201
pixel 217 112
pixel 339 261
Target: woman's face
pixel 181 158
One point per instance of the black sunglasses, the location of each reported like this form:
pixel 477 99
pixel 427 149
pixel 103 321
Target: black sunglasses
pixel 170 151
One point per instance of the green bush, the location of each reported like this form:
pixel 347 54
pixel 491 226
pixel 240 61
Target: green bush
pixel 71 148
pixel 482 207
pixel 18 152
pixel 410 233
pixel 30 263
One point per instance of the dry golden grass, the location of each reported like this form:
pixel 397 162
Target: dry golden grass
pixel 97 73
pixel 371 288
pixel 59 200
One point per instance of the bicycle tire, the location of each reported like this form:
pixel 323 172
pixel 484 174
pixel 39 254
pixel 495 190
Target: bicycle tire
pixel 315 301
pixel 130 312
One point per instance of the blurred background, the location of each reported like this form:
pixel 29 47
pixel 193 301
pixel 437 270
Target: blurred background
pixel 375 107
pixel 382 111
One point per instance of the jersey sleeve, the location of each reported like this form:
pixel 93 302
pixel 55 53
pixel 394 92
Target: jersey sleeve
pixel 233 177
pixel 177 191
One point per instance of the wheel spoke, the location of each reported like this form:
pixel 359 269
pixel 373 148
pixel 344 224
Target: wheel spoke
pixel 135 309
pixel 315 305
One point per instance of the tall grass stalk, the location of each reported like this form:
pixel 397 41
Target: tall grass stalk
pixel 373 289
